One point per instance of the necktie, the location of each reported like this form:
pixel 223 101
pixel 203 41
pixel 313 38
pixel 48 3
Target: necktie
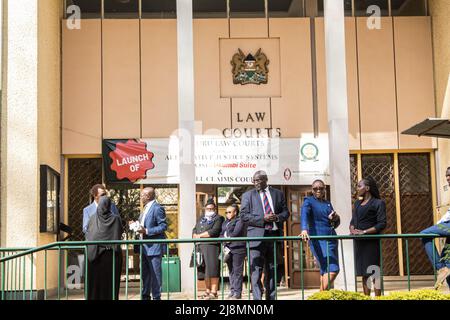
pixel 267 211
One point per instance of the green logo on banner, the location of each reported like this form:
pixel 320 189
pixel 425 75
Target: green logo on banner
pixel 309 152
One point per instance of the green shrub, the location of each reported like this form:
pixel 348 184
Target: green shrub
pixel 338 295
pixel 446 249
pixel 416 295
pixel 401 295
pixel 445 253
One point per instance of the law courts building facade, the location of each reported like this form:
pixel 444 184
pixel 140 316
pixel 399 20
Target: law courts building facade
pixel 82 78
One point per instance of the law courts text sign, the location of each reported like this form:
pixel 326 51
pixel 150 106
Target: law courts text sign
pixel 217 160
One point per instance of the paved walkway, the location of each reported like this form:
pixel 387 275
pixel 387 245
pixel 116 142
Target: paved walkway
pixel 391 284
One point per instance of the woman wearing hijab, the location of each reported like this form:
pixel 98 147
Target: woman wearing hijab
pixel 104 226
pixel 369 217
pixel 319 219
pixel 209 226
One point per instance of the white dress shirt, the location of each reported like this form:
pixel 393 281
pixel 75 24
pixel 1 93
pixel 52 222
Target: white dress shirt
pixel 144 215
pixel 445 217
pixel 269 197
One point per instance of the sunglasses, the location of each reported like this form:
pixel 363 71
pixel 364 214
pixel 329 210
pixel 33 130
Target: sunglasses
pixel 318 188
pixel 229 211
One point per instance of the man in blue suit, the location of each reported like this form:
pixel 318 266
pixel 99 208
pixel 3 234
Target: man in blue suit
pixel 153 226
pixel 264 210
pixel 97 192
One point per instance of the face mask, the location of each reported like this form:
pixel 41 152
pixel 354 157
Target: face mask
pixel 209 214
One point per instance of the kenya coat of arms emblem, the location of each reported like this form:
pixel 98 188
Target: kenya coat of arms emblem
pixel 250 69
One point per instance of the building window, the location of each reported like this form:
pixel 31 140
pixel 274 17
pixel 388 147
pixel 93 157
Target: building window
pixel 286 8
pixel 362 6
pixel 82 175
pixel 89 9
pixel 410 203
pixel 409 7
pixel 381 168
pixel 247 9
pixel 416 205
pixel 347 7
pixel 159 9
pixel 209 9
pixel 121 9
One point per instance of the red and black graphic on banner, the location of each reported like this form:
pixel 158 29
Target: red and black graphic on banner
pixel 126 161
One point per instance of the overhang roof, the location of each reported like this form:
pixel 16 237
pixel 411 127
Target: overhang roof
pixel 431 127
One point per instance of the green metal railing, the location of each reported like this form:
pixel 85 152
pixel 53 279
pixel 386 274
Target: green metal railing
pixel 8 279
pixel 15 285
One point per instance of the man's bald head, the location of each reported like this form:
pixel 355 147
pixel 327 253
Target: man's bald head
pixel 260 180
pixel 147 195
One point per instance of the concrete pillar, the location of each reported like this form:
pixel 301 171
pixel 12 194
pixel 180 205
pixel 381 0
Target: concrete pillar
pixel 30 126
pixel 338 132
pixel 444 154
pixel 49 115
pixel 186 134
pixel 19 125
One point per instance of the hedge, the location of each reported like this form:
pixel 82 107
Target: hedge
pixel 400 295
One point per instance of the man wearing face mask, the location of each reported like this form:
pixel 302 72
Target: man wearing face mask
pixel 264 210
pixel 209 226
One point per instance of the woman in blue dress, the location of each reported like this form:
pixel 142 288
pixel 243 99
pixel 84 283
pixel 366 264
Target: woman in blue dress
pixel 319 219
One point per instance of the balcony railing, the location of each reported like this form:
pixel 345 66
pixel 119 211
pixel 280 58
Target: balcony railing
pixel 17 263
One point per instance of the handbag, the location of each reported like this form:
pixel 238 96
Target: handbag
pixel 197 255
pixel 336 221
pixel 226 254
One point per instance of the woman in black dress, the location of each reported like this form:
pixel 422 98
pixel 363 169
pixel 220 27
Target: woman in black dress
pixel 104 226
pixel 369 217
pixel 209 226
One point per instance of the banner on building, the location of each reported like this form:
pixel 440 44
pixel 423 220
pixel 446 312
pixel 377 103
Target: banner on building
pixel 217 160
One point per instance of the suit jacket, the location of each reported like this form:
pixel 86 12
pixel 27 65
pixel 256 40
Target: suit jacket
pixel 235 228
pixel 213 227
pixel 155 223
pixel 90 210
pixel 252 212
pixel 373 214
pixel 314 216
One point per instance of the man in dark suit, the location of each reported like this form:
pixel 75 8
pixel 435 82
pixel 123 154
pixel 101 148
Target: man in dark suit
pixel 264 210
pixel 153 226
